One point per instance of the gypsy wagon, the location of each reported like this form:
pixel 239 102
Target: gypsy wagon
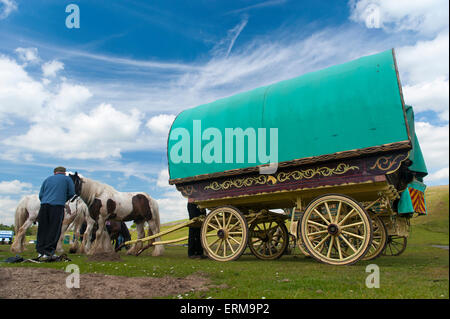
pixel 344 170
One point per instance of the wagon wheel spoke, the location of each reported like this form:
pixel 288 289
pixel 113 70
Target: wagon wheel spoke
pixel 346 216
pixel 212 244
pixel 235 240
pixel 328 212
pixel 338 244
pixel 317 224
pixel 336 219
pixel 352 234
pixel 224 247
pixel 320 215
pixel 348 243
pixel 318 232
pixel 215 228
pixel 353 225
pixel 322 241
pixel 331 246
pixel 218 246
pixel 231 246
pixel 217 220
pixel 254 241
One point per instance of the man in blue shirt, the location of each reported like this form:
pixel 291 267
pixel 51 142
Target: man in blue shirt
pixel 55 192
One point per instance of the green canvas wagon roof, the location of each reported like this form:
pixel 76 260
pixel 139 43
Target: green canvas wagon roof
pixel 350 108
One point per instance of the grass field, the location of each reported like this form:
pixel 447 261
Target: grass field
pixel 422 271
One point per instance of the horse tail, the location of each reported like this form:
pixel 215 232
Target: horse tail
pixel 155 210
pixel 21 214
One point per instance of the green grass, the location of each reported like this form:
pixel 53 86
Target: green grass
pixel 422 271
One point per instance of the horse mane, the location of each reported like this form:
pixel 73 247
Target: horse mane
pixel 92 189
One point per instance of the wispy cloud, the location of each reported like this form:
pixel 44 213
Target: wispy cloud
pixel 6 7
pixel 223 47
pixel 264 4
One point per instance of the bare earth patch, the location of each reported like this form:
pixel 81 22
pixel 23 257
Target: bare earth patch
pixel 43 283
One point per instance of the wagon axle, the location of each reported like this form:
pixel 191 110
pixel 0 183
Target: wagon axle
pixel 333 229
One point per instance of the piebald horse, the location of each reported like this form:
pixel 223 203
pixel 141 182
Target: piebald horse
pixel 106 203
pixel 27 211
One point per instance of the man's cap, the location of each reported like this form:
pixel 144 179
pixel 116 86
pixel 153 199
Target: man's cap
pixel 59 169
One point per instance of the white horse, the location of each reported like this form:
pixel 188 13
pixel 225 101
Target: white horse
pixel 27 213
pixel 75 214
pixel 106 203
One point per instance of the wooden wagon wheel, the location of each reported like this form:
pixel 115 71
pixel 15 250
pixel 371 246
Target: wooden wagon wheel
pixel 224 234
pixel 314 239
pixel 379 240
pixel 395 246
pixel 345 233
pixel 268 240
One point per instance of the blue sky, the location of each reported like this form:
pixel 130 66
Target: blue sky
pixel 100 99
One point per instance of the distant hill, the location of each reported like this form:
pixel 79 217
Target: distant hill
pixel 433 228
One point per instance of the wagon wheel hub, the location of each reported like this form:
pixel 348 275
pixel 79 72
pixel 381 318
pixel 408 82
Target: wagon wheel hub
pixel 221 233
pixel 333 229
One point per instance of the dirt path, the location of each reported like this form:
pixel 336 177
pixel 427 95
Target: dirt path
pixel 42 283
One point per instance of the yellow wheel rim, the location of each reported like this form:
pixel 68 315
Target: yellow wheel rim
pixel 224 234
pixel 336 230
pixel 379 239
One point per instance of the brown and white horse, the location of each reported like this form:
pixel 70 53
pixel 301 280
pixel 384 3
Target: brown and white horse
pixel 27 211
pixel 106 203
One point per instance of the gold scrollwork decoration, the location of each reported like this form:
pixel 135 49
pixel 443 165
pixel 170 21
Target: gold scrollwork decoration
pixel 187 190
pixel 340 169
pixel 385 163
pixel 281 177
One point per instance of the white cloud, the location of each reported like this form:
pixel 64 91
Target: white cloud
pixel 6 7
pixel 440 175
pixel 427 96
pixel 160 124
pixel 99 134
pixel 69 98
pixel 20 95
pixel 7 209
pixel 14 187
pixel 172 206
pixel 28 54
pixel 163 179
pixel 425 60
pixel 434 143
pixel 425 17
pixel 49 69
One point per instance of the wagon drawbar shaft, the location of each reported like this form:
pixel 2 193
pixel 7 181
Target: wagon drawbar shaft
pixel 197 221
